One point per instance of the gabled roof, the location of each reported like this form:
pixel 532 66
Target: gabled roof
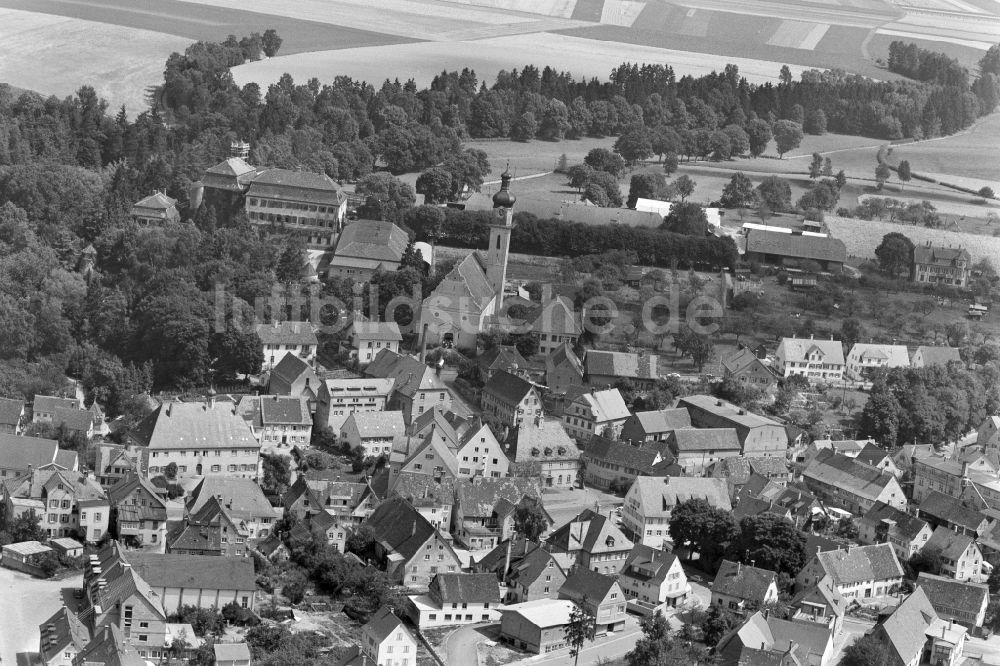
pixel 231 652
pixel 243 498
pixel 156 201
pixel 905 525
pixel 374 240
pixel 509 388
pixel 209 572
pixel 400 527
pixel 895 356
pixel 526 569
pixel 590 532
pixel 543 442
pixel 799 246
pixel 20 453
pixel 734 414
pixel 377 424
pixel 119 492
pixel 409 373
pixel 11 411
pixel 501 357
pixel 797 349
pixel 376 330
pixel 296 186
pixel 743 581
pixel 477 498
pixel 872 454
pixel 937 355
pixel 697 440
pixel 950 510
pixel 557 317
pixel 383 623
pixel 823 592
pixel 62 632
pixel 662 420
pixel 843 472
pixel 621 364
pixel 49 403
pixel 265 410
pixel 360 388
pixel 940 256
pixel 234 166
pixel 435 417
pixel 109 648
pixel 287 333
pixel 652 459
pixel 423 489
pixel 586 583
pixel 860 563
pixel 656 561
pixel 469 277
pixel 904 630
pixel 176 425
pixel 949 596
pixel 948 544
pixel 467 587
pixel 564 355
pixel 740 360
pixel 606 405
pixel 73 418
pixel 660 495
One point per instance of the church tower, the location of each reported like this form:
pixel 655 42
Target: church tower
pixel 500 228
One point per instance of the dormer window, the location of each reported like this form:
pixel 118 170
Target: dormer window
pixel 610 542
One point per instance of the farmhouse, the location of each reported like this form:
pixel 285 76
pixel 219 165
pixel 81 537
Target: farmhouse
pixel 563 369
pixel 287 337
pixel 654 426
pixel 650 501
pixel 857 573
pixel 813 359
pixel 744 367
pixel 368 338
pixel 864 358
pixel 758 435
pixel 845 483
pixel 768 247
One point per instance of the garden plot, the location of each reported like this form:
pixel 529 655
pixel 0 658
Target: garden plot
pixel 621 12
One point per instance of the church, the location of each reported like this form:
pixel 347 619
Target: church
pixel 471 296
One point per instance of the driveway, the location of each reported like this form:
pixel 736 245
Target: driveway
pixel 30 601
pixel 460 647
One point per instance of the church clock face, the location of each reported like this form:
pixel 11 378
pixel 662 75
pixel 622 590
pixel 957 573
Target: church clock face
pixel 501 213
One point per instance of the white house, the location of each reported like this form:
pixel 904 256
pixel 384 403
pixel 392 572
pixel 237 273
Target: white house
pixel 651 500
pixel 816 360
pixel 865 358
pixel 337 399
pixel 287 337
pixel 456 598
pixel 375 432
pixel 368 338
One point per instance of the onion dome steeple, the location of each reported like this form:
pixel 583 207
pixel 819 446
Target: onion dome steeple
pixel 504 198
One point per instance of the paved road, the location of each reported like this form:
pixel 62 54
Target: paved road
pixel 27 603
pixel 461 645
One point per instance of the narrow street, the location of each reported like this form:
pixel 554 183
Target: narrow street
pixel 461 644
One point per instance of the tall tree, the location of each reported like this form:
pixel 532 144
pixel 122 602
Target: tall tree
pixel 738 192
pixel 760 135
pixel 895 254
pixel 787 136
pixel 581 628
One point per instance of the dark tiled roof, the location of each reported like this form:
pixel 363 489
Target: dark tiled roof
pixel 621 364
pixel 940 256
pixel 400 527
pixel 564 354
pixel 371 239
pixel 284 410
pixel 743 581
pixel 590 532
pixel 20 453
pixel 478 497
pixel 61 631
pixel 843 472
pixel 649 558
pixel 467 587
pixel 945 508
pixel 376 330
pixel 502 357
pixel 948 544
pixel 383 623
pixel 296 186
pixel 906 525
pixel 409 373
pixel 704 439
pixel 948 595
pixel 80 420
pixel 796 245
pixel 10 411
pixel 194 571
pixel 661 420
pixel 872 454
pixel 509 388
pixel 639 458
pixel 586 583
pixel 546 441
pixel 938 355
pixel 287 333
pixel 861 563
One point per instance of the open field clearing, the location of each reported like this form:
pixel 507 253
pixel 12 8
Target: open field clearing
pixel 426 19
pixel 196 21
pixel 862 237
pixel 558 8
pixel 422 61
pixel 798 34
pixel 537 156
pixel 42 52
